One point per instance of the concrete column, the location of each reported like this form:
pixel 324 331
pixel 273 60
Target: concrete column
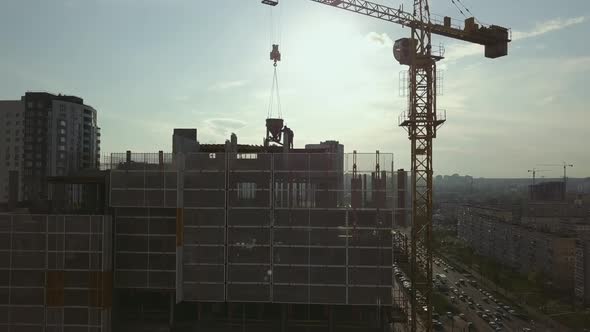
pixel 172 303
pixel 180 165
pixel 330 318
pixel 283 318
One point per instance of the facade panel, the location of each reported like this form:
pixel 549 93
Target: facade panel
pixel 253 228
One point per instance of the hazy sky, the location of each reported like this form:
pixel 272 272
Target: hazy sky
pixel 148 66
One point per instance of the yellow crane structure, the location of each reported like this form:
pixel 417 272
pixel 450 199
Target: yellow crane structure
pixel 421 119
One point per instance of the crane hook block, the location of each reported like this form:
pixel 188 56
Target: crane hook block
pixel 275 55
pixel 270 2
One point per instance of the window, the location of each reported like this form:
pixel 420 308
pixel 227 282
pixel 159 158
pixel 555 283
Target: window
pixel 247 156
pixel 246 190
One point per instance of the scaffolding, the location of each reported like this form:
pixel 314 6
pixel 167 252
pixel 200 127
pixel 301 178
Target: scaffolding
pixel 55 273
pixel 254 227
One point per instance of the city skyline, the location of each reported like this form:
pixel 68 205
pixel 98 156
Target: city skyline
pixel 148 71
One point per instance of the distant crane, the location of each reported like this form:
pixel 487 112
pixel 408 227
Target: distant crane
pixel 564 165
pixel 532 190
pixel 421 120
pixel 535 171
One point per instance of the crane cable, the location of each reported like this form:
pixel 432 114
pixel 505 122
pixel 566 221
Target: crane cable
pixel 274 91
pixel 469 11
pixel 459 9
pixel 275 33
pixel 466 9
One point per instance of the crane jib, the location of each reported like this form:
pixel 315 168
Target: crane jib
pixel 494 38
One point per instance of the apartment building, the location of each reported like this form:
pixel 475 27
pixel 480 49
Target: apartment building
pixel 61 137
pixel 492 232
pixel 12 130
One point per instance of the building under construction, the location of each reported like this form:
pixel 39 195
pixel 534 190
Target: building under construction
pixel 55 273
pixel 213 237
pixel 254 233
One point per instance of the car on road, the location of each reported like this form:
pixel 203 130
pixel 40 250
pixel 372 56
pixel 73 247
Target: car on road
pixel 479 306
pixel 486 300
pixel 437 325
pixel 462 315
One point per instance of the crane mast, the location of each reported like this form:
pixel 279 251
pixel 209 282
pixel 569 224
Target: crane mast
pixel 422 121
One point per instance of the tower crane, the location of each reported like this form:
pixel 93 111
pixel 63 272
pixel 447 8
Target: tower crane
pixel 535 171
pixel 421 120
pixel 564 165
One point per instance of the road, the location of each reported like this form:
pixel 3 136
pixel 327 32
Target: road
pixel 483 301
pixel 476 303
